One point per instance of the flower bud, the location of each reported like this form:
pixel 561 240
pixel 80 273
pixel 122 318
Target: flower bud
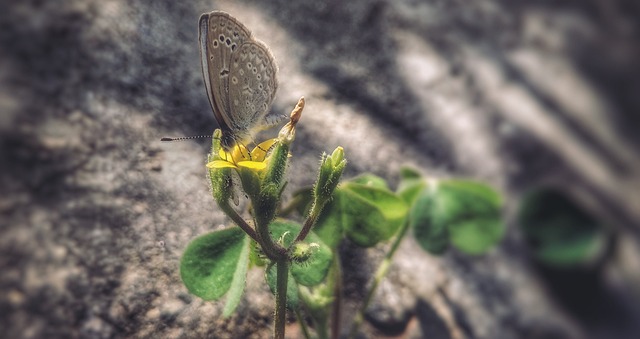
pixel 288 131
pixel 301 251
pixel 331 168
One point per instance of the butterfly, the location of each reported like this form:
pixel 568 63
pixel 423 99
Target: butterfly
pixel 239 75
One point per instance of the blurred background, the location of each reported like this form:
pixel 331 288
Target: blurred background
pixel 540 99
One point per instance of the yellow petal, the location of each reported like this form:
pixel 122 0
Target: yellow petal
pixel 257 165
pixel 220 164
pixel 223 154
pixel 240 152
pixel 259 152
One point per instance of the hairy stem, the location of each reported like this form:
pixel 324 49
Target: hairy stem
pixel 311 220
pixel 271 249
pixel 236 218
pixel 282 267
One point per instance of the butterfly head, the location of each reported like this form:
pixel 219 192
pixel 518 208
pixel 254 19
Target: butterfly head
pixel 228 140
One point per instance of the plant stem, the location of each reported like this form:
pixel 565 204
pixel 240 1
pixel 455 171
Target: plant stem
pixel 235 217
pixel 271 249
pixel 311 220
pixel 303 324
pixel 383 269
pixel 282 278
pixel 322 330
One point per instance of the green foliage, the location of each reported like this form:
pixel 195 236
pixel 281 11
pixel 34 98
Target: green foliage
pixel 432 236
pixel 463 213
pixel 365 213
pixel 376 214
pixel 209 264
pixel 409 173
pixel 410 188
pixel 370 180
pixel 560 232
pixel 234 295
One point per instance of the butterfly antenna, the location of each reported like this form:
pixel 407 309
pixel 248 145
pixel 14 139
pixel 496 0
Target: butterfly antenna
pixel 184 138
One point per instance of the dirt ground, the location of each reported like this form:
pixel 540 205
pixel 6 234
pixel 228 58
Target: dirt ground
pixel 95 211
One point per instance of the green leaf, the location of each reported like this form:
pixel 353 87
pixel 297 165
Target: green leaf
pixel 409 173
pixel 432 236
pixel 378 214
pixel 239 278
pixel 209 263
pixel 560 232
pixel 410 189
pixel 312 271
pixel 317 301
pixel 365 213
pixel 292 287
pixel 371 180
pixel 329 225
pixel 467 213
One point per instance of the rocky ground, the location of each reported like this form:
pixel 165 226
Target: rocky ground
pixel 95 211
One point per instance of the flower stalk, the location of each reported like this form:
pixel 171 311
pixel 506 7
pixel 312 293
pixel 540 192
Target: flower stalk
pixel 331 168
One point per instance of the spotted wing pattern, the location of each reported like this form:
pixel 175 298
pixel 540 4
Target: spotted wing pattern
pixel 253 86
pixel 220 35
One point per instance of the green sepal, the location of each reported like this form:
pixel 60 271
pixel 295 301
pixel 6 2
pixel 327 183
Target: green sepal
pixel 276 169
pixel 220 178
pixel 331 168
pixel 250 180
pixel 267 199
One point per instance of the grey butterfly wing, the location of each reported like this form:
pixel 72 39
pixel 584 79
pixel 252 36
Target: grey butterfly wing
pixel 220 36
pixel 252 84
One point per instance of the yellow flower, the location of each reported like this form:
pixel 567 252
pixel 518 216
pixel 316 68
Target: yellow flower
pixel 239 156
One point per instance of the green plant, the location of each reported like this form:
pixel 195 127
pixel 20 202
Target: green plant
pixel 559 232
pixel 301 261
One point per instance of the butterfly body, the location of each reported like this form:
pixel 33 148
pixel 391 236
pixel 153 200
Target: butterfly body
pixel 239 74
